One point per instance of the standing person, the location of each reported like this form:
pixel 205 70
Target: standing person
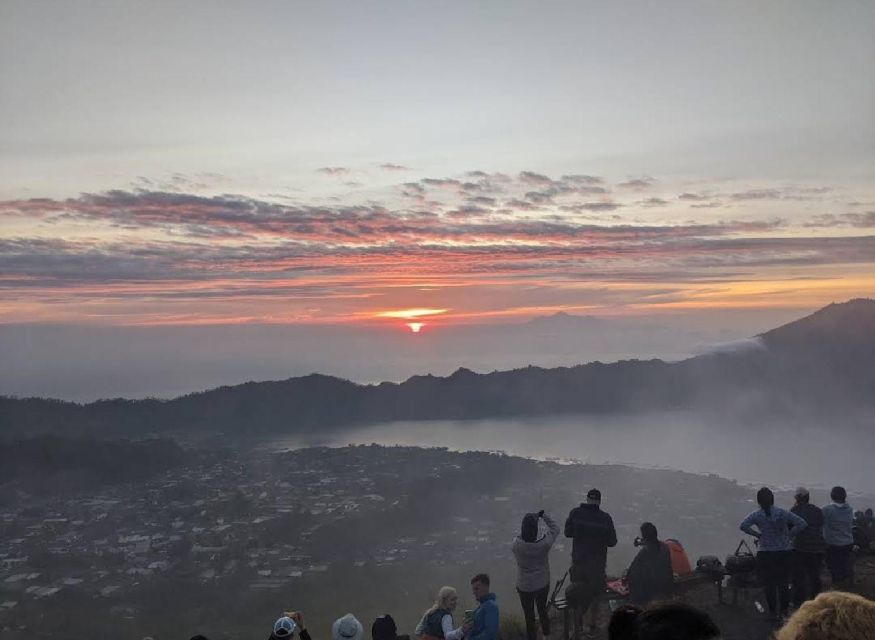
pixel 808 549
pixel 775 529
pixel 838 525
pixel 650 576
pixel 484 624
pixel 592 531
pixel 533 569
pixel 437 622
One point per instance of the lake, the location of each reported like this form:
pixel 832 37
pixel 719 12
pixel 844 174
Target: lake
pixel 781 453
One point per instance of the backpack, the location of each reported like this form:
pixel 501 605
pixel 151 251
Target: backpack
pixel 710 565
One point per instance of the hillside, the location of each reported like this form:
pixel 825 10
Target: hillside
pixel 219 544
pixel 55 465
pixel 821 363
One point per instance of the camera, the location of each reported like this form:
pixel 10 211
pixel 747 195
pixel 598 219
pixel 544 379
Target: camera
pixel 638 541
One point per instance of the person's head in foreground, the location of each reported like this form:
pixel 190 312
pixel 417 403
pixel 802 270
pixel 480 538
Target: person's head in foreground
pixel 669 621
pixel 833 615
pixel 347 628
pixel 384 628
pixel 284 627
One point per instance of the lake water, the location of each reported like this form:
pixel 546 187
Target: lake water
pixel 779 453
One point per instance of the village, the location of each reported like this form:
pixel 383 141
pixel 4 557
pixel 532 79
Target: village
pixel 255 521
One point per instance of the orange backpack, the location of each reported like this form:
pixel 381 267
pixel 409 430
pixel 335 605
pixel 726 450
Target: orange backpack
pixel 680 563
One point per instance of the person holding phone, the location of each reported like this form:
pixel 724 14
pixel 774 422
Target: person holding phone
pixel 533 569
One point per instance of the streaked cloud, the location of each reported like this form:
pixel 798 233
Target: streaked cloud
pixel 145 253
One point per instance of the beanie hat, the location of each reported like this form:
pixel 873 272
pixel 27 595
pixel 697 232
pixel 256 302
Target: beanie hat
pixel 347 628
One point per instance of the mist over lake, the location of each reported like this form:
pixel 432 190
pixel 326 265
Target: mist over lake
pixel 778 452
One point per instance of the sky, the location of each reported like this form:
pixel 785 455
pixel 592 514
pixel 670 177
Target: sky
pixel 383 164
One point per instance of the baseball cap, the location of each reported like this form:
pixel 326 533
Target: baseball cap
pixel 284 627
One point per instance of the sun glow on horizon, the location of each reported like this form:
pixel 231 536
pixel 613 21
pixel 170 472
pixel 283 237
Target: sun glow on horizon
pixel 415 327
pixel 410 314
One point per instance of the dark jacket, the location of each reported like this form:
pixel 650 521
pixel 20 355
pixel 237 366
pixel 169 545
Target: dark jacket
pixel 810 539
pixel 650 576
pixel 593 532
pixel 431 623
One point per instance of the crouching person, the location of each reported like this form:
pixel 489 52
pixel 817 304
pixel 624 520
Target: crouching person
pixel 650 575
pixel 437 622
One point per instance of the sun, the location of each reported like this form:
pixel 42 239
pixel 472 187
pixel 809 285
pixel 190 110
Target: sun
pixel 415 327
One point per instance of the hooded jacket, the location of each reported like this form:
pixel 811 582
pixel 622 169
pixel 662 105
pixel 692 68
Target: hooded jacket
pixel 485 620
pixel 838 524
pixel 650 575
pixel 532 558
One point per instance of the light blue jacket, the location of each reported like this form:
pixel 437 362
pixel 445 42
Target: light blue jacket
pixel 838 523
pixel 776 530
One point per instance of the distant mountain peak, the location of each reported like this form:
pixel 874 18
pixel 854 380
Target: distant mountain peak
pixel 851 321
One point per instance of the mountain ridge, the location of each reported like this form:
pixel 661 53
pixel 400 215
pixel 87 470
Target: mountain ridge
pixel 824 359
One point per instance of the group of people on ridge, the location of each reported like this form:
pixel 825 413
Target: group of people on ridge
pixel 792 546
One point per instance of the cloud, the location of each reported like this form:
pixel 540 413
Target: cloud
pixel 581 180
pixel 757 194
pixel 638 184
pixel 653 202
pixel 733 346
pixel 441 182
pixel 858 220
pixel 388 166
pixel 784 193
pixel 334 171
pixel 695 197
pixel 147 245
pixel 591 206
pixel 539 197
pixel 530 177
pixel 482 201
